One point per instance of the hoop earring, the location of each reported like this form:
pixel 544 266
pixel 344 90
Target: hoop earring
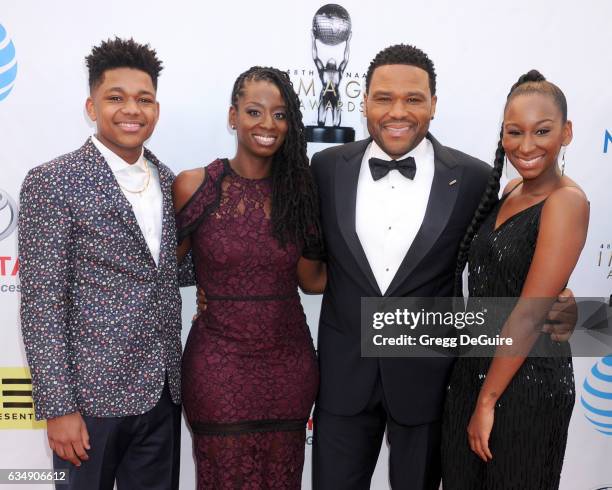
pixel 563 162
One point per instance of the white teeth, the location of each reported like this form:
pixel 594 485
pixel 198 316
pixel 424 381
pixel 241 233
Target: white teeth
pixel 265 140
pixel 397 131
pixel 530 162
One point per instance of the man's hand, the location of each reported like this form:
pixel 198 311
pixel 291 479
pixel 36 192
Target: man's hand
pixel 202 305
pixel 561 320
pixel 68 437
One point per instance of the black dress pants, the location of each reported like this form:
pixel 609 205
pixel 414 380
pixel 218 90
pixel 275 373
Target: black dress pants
pixel 138 452
pixel 346 449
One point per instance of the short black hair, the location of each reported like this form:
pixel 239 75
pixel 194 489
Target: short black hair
pixel 403 54
pixel 122 53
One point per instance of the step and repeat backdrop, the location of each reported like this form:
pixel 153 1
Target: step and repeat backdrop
pixel 479 49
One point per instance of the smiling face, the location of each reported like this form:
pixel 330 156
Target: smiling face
pixel 260 119
pixel 125 110
pixel 534 132
pixel 398 108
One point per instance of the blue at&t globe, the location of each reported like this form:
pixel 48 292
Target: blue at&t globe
pixel 8 64
pixel 597 395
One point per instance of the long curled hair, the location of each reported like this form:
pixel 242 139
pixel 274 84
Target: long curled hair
pixel 531 82
pixel 295 204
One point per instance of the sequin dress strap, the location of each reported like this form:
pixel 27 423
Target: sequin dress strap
pixel 204 201
pixel 512 190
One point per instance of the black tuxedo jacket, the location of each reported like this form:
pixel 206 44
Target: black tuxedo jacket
pixel 414 388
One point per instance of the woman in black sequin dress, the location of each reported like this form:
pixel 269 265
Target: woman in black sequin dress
pixel 506 419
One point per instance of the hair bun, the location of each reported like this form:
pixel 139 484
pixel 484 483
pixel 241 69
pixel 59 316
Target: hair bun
pixel 531 76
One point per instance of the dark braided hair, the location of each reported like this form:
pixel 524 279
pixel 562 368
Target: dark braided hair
pixel 403 54
pixel 121 53
pixel 295 204
pixel 531 82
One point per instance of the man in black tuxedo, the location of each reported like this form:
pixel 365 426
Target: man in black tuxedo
pixel 388 232
pixel 394 208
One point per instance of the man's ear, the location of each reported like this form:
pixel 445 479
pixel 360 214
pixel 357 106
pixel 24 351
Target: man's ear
pixel 90 108
pixel 434 103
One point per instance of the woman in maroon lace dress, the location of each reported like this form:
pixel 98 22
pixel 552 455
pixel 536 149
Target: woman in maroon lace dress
pixel 249 369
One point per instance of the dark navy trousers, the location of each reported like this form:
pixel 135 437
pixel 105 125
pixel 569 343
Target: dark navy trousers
pixel 138 452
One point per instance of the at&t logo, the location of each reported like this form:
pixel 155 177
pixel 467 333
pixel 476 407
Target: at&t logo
pixel 8 64
pixel 597 396
pixel 8 214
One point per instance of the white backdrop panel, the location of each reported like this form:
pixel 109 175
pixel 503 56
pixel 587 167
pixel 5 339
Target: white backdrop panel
pixel 479 49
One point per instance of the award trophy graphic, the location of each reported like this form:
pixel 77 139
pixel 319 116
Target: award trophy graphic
pixel 331 26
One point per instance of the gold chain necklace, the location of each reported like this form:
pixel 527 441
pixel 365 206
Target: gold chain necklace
pixel 146 185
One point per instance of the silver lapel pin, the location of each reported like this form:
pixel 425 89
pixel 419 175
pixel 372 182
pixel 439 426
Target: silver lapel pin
pixel 452 182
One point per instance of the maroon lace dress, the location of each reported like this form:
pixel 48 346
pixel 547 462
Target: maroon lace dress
pixel 249 370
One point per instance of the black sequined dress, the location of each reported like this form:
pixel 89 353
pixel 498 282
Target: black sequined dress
pixel 532 415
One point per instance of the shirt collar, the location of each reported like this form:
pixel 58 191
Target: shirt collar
pixel 418 153
pixel 115 162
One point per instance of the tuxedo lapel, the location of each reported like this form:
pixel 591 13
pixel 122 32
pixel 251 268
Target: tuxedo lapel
pixel 441 202
pixel 346 179
pixel 168 236
pixel 107 184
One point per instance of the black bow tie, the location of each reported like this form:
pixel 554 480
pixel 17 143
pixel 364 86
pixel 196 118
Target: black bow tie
pixel 380 168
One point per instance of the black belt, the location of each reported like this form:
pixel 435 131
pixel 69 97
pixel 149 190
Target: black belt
pixel 271 297
pixel 212 429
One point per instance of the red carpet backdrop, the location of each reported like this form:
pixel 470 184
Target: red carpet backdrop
pixel 479 49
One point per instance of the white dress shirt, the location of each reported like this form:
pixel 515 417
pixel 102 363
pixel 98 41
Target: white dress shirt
pixel 390 211
pixel 147 205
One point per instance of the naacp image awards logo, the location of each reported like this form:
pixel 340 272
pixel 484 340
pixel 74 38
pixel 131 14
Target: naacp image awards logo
pixel 330 91
pixel 604 259
pixel 8 64
pixel 331 36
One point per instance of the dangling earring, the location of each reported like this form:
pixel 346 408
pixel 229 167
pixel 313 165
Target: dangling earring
pixel 506 166
pixel 563 162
